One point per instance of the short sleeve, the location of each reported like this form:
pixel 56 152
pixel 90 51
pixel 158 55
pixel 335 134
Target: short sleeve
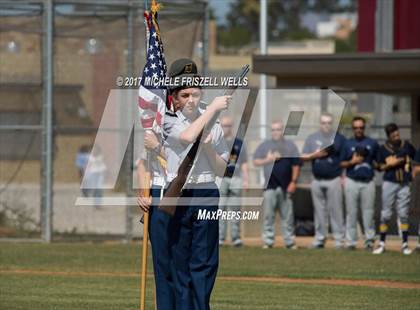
pixel 417 156
pixel 375 149
pixel 220 145
pixel 411 150
pixel 345 152
pixel 143 154
pixel 307 147
pixel 296 161
pixel 380 158
pixel 243 154
pixel 172 129
pixel 261 151
pixel 341 142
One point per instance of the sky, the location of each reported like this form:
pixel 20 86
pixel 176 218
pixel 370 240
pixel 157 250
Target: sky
pixel 220 7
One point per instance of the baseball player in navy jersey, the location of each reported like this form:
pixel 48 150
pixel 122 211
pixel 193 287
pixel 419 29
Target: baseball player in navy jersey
pixel 358 158
pixel 278 157
pixel 323 149
pixel 394 158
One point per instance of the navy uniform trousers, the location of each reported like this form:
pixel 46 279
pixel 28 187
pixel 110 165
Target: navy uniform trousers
pixel 194 247
pixel 159 238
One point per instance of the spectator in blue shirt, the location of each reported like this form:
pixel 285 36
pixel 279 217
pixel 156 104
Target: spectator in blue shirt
pixel 323 148
pixel 280 160
pixel 394 158
pixel 358 158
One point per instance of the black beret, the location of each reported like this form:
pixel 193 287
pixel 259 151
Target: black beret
pixel 180 68
pixel 183 66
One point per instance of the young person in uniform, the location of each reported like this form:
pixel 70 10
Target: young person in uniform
pixel 194 245
pixel 323 149
pixel 280 160
pixel 394 158
pixel 158 220
pixel 358 158
pixel 235 179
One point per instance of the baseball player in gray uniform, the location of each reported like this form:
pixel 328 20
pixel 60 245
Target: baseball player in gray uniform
pixel 358 158
pixel 324 149
pixel 281 167
pixel 394 158
pixel 234 180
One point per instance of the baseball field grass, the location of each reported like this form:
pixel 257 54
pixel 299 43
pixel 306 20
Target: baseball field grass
pixel 106 276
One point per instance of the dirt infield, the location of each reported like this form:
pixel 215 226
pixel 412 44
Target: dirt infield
pixel 277 280
pixel 393 242
pixel 341 282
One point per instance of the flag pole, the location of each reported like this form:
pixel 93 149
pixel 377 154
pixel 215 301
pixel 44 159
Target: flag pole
pixel 151 25
pixel 146 193
pixel 145 221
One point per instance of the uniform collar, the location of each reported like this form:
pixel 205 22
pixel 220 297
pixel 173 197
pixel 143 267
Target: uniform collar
pixel 180 115
pixel 281 141
pixel 183 118
pixel 326 135
pixel 360 139
pixel 395 146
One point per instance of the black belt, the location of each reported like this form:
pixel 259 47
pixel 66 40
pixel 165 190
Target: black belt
pixel 363 180
pixel 326 179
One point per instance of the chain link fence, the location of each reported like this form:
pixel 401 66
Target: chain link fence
pixel 93 44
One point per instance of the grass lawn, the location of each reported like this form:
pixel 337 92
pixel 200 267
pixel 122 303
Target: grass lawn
pixel 103 276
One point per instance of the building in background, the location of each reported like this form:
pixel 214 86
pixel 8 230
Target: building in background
pixel 338 26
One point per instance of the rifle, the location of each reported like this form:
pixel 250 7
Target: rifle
pixel 175 187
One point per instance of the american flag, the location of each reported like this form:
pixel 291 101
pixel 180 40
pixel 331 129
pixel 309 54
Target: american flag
pixel 152 98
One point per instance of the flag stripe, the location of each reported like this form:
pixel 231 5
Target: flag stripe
pixel 152 99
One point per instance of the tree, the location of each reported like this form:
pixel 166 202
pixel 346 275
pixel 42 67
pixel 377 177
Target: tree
pixel 233 37
pixel 284 18
pixel 348 45
pixel 245 14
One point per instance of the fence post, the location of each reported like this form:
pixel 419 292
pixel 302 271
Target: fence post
pixel 47 121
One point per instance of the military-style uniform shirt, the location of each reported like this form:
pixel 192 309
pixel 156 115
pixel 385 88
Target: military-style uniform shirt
pixel 174 124
pixel 401 173
pixel 327 167
pixel 237 156
pixel 281 173
pixel 157 170
pixel 366 147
